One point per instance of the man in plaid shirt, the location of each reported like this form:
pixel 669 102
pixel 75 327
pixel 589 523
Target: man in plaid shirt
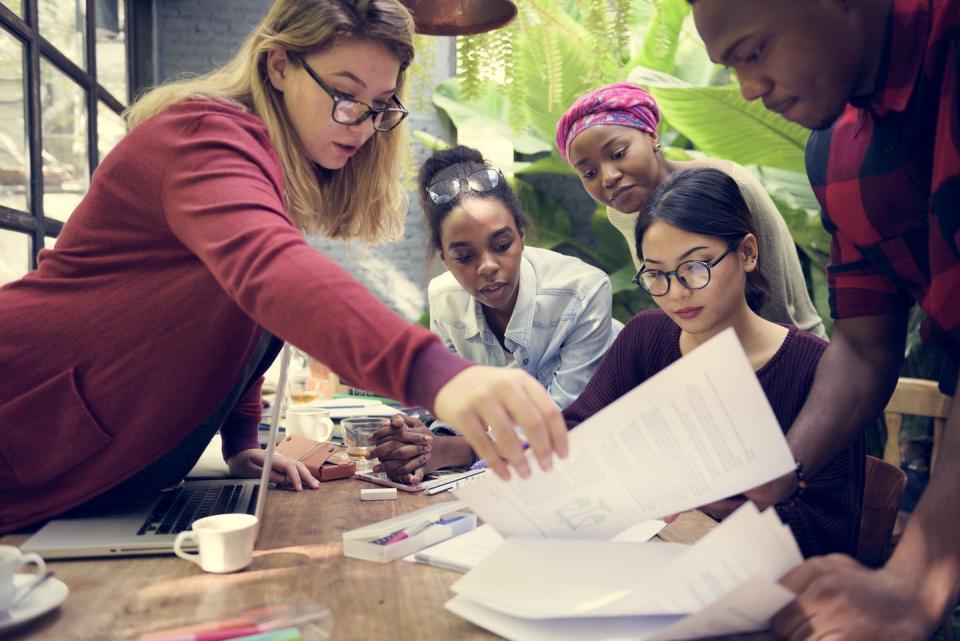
pixel 879 82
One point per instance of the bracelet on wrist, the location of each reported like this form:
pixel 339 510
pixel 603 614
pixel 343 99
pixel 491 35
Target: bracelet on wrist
pixel 801 479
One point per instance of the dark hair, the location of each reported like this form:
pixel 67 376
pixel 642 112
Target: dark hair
pixel 707 202
pixel 460 162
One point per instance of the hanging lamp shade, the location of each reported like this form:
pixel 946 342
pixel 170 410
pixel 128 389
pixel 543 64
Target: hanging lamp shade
pixel 459 17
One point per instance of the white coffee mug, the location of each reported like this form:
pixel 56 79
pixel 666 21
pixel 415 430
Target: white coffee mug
pixel 311 422
pixel 225 542
pixel 12 561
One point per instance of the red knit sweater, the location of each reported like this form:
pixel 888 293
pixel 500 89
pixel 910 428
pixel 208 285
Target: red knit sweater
pixel 134 328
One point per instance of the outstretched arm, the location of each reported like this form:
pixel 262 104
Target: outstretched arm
pixel 907 599
pixel 854 380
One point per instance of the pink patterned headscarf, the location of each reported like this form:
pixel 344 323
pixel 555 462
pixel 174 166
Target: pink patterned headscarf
pixel 621 103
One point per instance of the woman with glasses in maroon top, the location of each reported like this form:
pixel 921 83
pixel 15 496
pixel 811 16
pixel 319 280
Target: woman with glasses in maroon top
pixel 147 328
pixel 698 248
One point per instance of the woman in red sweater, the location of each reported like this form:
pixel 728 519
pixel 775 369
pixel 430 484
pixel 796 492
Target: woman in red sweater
pixel 148 326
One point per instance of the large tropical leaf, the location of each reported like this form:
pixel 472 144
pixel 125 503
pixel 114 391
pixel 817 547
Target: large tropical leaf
pixel 663 36
pixel 721 123
pixel 545 61
pixel 430 141
pixel 794 198
pixel 487 113
pixel 552 164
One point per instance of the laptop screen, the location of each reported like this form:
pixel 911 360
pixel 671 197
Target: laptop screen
pixel 272 434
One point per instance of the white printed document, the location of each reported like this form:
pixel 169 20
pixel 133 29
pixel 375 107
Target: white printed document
pixel 699 431
pixel 532 589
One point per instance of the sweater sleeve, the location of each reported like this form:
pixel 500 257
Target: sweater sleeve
pixel 240 429
pixel 222 196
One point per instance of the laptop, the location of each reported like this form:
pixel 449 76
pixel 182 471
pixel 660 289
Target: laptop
pixel 150 526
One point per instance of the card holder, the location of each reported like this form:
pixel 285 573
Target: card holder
pixel 314 455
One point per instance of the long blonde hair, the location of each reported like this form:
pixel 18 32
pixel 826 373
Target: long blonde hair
pixel 365 198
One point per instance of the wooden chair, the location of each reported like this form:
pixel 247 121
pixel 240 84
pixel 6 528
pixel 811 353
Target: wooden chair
pixel 883 486
pixel 919 398
pixel 916 397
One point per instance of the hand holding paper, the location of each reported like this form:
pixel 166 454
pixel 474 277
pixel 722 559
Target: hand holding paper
pixel 699 431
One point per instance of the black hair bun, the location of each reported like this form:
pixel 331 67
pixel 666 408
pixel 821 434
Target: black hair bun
pixel 440 160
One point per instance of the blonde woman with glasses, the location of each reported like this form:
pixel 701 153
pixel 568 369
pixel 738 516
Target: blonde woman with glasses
pixel 148 327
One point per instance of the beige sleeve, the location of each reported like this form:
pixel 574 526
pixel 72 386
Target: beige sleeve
pixel 789 301
pixel 626 224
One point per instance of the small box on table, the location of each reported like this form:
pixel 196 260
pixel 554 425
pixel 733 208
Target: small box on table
pixel 402 535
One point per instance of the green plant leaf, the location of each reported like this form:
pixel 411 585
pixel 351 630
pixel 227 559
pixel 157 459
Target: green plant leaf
pixel 722 124
pixel 430 141
pixel 622 279
pixel 575 79
pixel 552 164
pixel 663 35
pixel 487 112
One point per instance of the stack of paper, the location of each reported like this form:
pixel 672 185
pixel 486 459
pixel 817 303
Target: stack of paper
pixel 465 552
pixel 532 589
pixel 699 431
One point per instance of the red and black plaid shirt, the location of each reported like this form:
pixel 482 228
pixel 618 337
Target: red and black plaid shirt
pixel 887 174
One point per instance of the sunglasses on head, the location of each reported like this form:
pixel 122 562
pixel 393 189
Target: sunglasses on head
pixel 445 190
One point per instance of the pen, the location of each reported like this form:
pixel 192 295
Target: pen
pixel 276 630
pixel 249 618
pixel 406 534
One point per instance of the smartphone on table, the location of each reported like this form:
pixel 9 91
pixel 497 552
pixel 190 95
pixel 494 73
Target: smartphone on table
pixel 380 478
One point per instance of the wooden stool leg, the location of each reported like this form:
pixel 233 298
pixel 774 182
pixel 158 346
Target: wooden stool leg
pixel 891 450
pixel 938 424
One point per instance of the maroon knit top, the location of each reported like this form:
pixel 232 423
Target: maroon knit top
pixel 826 517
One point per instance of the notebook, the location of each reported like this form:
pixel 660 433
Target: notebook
pixel 150 526
pixel 462 553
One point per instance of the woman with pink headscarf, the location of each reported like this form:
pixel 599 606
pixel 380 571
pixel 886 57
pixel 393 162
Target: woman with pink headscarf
pixel 609 136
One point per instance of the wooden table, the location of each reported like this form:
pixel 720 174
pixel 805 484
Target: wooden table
pixel 299 554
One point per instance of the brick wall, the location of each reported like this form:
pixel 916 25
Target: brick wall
pixel 195 35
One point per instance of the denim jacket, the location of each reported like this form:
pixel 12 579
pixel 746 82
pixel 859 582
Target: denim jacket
pixel 560 329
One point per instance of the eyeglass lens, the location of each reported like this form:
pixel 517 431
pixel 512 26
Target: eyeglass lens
pixel 693 274
pixel 443 191
pixel 351 112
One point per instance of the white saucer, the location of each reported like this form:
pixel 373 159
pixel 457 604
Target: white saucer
pixel 44 598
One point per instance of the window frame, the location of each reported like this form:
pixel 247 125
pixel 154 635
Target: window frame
pixel 138 38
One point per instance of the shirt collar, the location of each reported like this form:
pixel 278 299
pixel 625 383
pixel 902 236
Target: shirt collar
pixel 520 326
pixel 905 45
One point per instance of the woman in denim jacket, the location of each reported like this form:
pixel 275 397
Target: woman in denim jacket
pixel 501 303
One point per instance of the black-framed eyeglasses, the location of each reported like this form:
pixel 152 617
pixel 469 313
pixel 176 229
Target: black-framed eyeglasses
pixel 348 111
pixel 443 191
pixel 692 274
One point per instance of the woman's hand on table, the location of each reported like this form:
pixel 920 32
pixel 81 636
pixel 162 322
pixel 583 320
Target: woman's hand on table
pixel 249 464
pixel 485 404
pixel 403 448
pixel 408 451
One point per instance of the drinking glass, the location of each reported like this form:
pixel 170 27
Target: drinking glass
pixel 355 433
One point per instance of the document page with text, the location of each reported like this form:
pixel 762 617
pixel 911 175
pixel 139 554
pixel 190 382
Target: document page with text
pixel 699 431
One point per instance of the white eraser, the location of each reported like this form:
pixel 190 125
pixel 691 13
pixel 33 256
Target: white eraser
pixel 378 494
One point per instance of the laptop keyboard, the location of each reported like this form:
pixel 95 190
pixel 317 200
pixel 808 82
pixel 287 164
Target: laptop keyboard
pixel 178 510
